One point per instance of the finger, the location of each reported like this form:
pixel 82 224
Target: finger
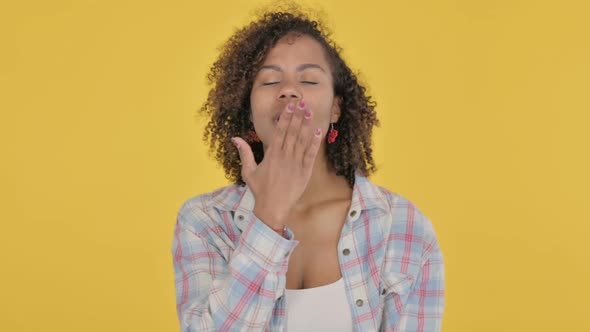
pixel 246 156
pixel 305 135
pixel 281 129
pixel 294 128
pixel 312 150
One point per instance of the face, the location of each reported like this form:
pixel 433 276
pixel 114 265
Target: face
pixel 295 69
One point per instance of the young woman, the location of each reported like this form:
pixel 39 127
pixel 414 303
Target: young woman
pixel 302 240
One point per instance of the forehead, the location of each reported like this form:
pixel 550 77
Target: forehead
pixel 295 49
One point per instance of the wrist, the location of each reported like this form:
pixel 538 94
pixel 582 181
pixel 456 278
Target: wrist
pixel 281 231
pixel 273 219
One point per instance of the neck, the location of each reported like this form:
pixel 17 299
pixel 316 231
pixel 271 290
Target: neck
pixel 324 185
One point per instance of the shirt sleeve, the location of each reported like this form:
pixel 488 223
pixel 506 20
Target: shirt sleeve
pixel 235 293
pixel 420 309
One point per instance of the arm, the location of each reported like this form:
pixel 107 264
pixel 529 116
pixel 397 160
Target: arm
pixel 421 307
pixel 216 294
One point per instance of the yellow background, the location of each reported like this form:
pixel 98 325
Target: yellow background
pixel 484 108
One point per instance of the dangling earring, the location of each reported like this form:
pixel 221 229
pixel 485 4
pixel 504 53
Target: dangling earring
pixel 252 136
pixel 332 134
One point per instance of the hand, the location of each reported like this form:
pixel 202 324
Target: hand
pixel 282 176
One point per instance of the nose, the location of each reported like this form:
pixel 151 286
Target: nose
pixel 289 92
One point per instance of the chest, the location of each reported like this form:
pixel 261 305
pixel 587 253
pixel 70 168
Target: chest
pixel 314 262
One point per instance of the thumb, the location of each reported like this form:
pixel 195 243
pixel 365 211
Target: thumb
pixel 246 155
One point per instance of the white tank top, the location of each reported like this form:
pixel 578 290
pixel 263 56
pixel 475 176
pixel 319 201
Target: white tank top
pixel 323 309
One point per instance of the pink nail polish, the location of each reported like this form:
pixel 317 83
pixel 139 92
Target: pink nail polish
pixel 301 105
pixel 290 108
pixel 307 114
pixel 318 132
pixel 235 143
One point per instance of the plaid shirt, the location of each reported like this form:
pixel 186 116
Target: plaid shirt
pixel 230 268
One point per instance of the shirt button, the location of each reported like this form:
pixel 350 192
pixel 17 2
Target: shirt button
pixel 241 217
pixel 353 213
pixel 346 252
pixel 359 303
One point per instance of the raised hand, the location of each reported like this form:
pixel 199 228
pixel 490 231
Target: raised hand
pixel 282 176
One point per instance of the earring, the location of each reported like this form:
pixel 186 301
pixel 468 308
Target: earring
pixel 332 134
pixel 252 136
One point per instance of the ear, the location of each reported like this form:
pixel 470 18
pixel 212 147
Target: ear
pixel 336 109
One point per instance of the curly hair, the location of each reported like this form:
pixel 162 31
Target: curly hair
pixel 231 78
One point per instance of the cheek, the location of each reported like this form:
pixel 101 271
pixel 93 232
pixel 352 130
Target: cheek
pixel 255 105
pixel 259 99
pixel 323 109
pixel 260 112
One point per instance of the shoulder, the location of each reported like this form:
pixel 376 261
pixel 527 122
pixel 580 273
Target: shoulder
pixel 405 224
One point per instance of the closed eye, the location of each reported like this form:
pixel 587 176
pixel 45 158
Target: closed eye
pixel 304 82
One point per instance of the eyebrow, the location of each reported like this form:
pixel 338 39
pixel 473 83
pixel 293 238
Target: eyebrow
pixel 301 67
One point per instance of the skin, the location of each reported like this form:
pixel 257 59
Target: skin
pixel 290 144
pixel 294 184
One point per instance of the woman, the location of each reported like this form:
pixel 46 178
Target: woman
pixel 302 241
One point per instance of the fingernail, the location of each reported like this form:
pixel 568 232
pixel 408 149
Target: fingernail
pixel 301 105
pixel 233 140
pixel 290 108
pixel 318 132
pixel 307 114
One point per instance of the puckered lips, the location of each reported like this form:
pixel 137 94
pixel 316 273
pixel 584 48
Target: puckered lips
pixel 278 115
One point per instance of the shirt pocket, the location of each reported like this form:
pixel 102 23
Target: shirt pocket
pixel 395 284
